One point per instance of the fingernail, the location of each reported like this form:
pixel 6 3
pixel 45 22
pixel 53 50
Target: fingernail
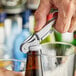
pixel 65 30
pixel 71 30
pixel 37 27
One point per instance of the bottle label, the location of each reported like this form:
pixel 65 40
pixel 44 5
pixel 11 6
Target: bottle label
pixel 67 37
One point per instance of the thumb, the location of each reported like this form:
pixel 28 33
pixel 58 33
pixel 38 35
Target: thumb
pixel 12 73
pixel 41 14
pixel 6 72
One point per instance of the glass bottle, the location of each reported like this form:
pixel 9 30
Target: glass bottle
pixel 64 37
pixel 4 51
pixel 2 19
pixel 34 64
pixel 74 40
pixel 13 25
pixel 17 54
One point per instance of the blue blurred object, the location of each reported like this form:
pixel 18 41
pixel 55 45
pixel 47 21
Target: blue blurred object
pixel 2 16
pixel 20 38
pixel 18 64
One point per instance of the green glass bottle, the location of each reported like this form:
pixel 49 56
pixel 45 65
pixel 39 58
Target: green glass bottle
pixel 74 38
pixel 64 37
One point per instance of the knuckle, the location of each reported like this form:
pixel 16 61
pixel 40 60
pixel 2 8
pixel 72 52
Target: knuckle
pixel 37 15
pixel 61 31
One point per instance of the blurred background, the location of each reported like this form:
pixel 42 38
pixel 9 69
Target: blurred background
pixel 17 23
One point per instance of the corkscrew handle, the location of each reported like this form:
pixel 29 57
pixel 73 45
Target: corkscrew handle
pixel 36 38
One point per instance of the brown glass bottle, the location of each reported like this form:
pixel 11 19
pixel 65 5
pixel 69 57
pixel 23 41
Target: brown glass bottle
pixel 34 65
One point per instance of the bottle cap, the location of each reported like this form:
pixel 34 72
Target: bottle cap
pixel 35 48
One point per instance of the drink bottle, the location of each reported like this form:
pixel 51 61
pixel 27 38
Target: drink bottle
pixel 74 38
pixel 13 24
pixel 2 31
pixel 25 33
pixel 4 52
pixel 34 64
pixel 64 37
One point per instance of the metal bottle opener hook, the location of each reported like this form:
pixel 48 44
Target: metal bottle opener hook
pixel 36 38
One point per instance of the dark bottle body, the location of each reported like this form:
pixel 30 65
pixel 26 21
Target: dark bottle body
pixel 33 65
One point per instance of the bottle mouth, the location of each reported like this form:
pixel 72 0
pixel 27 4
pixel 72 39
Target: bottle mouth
pixel 35 48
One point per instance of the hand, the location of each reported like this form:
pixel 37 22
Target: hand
pixel 4 72
pixel 75 73
pixel 66 20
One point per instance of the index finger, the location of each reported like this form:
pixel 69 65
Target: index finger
pixel 64 17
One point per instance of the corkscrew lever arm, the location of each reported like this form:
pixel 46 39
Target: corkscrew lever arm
pixel 36 38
